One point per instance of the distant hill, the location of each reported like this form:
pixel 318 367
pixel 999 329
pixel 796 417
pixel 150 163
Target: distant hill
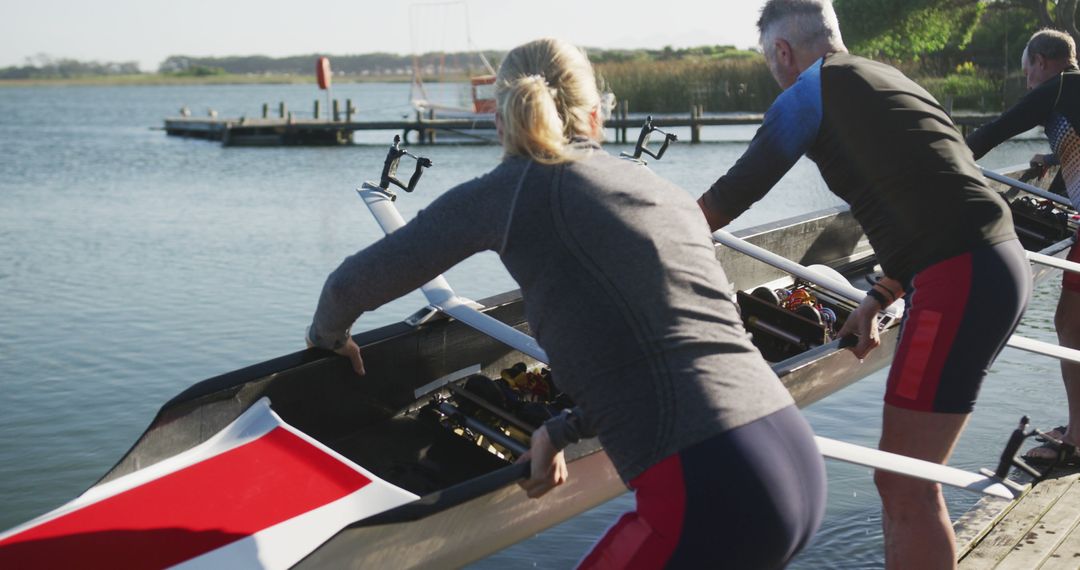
pixel 369 64
pixel 431 64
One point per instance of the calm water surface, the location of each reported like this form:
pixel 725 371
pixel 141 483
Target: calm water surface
pixel 134 264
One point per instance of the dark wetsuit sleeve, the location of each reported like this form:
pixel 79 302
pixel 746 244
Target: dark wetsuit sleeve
pixel 463 221
pixel 1031 111
pixel 791 125
pixel 569 427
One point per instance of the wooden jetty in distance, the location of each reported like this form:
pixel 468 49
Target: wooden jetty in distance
pixel 1041 529
pixel 338 128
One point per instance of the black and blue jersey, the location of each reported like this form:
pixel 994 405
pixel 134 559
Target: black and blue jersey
pixel 885 146
pixel 1054 105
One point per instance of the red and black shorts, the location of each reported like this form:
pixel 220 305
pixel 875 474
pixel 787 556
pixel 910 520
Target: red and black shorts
pixel 959 314
pixel 750 497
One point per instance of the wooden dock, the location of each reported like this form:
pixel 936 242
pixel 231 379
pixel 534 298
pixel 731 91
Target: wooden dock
pixel 1040 530
pixel 286 131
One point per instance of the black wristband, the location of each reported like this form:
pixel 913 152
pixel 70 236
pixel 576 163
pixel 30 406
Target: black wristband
pixel 877 296
pixel 885 291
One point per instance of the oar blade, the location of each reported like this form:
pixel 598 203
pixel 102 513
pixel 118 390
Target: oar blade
pixel 259 494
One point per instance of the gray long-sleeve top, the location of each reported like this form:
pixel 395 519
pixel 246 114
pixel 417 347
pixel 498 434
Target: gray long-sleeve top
pixel 621 288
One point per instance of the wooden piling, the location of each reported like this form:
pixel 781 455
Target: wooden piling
pixel 282 110
pixel 337 111
pixel 624 110
pixel 315 110
pixel 696 111
pixel 431 132
pixel 349 110
pixel 266 110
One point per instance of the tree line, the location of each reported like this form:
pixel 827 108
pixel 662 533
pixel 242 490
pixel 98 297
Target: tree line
pixel 964 43
pixel 43 66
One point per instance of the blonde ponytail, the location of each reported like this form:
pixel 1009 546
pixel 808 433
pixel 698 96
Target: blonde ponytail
pixel 546 94
pixel 530 120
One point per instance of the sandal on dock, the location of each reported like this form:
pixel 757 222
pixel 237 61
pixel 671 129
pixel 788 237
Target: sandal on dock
pixel 1056 433
pixel 1047 454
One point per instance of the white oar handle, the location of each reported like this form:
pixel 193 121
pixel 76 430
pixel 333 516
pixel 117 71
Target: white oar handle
pixel 1027 187
pixel 438 290
pixel 836 286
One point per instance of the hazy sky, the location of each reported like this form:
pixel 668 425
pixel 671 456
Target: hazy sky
pixel 147 31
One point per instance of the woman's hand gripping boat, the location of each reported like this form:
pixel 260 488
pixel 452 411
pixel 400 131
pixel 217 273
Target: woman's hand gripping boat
pixel 298 462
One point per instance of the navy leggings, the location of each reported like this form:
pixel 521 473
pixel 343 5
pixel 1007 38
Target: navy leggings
pixel 747 498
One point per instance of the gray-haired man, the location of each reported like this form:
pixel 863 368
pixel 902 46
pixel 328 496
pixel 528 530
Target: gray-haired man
pixel 944 240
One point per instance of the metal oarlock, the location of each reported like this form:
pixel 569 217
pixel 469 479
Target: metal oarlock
pixel 389 173
pixel 642 146
pixel 1010 457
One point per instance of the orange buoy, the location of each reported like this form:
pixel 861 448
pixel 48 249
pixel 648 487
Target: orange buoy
pixel 322 71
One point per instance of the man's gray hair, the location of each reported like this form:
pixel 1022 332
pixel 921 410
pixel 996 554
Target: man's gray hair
pixel 803 23
pixel 1053 45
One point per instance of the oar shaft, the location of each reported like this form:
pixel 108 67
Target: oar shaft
pixel 912 467
pixel 1026 187
pixel 1055 262
pixel 1044 348
pixel 854 294
pixel 836 286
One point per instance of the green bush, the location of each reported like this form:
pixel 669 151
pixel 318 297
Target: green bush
pixel 966 89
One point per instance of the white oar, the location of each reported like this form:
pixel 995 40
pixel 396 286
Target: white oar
pixel 827 282
pixel 918 468
pixel 856 295
pixel 1055 262
pixel 1027 187
pixel 390 219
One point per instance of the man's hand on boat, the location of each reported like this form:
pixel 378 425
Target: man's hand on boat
pixel 863 323
pixel 349 350
pixel 548 465
pixel 1043 162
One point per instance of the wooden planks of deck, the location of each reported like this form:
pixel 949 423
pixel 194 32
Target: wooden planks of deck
pixel 1040 530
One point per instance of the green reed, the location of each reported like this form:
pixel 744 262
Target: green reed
pixel 721 85
pixel 744 84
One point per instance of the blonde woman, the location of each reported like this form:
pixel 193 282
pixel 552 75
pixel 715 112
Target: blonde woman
pixel 623 291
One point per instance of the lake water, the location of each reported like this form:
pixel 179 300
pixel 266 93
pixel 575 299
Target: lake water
pixel 133 264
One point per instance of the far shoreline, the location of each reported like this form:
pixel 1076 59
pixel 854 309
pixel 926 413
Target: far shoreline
pixel 157 79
